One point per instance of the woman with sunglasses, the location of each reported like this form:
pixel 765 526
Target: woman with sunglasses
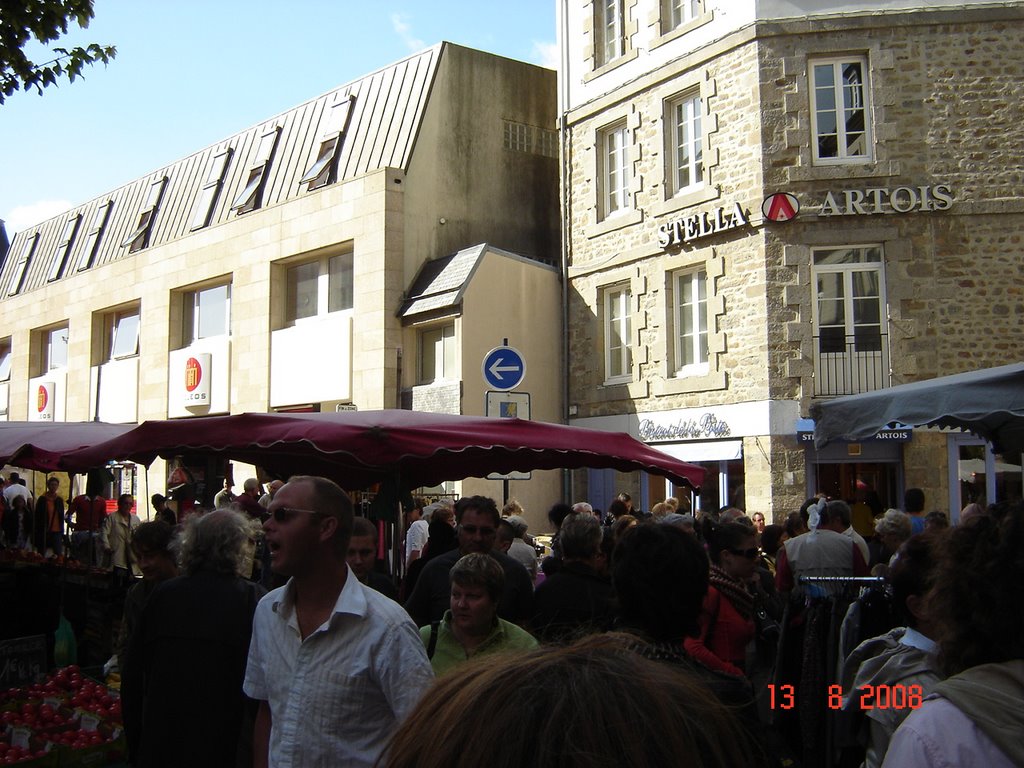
pixel 727 616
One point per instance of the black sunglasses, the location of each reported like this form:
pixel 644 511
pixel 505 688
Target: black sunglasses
pixel 284 514
pixel 750 554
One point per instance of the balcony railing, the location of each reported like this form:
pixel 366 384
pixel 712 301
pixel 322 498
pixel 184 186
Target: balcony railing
pixel 847 365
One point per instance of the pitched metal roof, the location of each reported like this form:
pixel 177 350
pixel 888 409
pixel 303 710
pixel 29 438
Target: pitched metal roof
pixel 442 282
pixel 379 117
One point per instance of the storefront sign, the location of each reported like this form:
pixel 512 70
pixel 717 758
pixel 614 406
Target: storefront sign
pixel 196 390
pixel 698 225
pixel 700 428
pixel 45 400
pixel 903 435
pixel 879 200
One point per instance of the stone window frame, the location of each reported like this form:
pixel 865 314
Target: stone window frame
pixel 700 365
pixel 594 167
pixel 618 289
pixel 593 65
pixel 662 29
pixel 43 338
pixel 669 200
pixel 672 143
pixel 674 381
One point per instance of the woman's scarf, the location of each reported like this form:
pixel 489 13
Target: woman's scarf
pixel 734 590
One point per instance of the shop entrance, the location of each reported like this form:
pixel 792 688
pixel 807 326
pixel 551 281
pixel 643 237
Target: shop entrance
pixel 870 483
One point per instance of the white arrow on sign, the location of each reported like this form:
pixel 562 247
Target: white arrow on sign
pixel 497 369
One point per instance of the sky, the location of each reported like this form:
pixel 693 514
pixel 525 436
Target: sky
pixel 189 73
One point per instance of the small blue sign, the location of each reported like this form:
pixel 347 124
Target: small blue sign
pixel 504 368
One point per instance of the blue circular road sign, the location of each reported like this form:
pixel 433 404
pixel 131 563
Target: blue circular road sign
pixel 504 368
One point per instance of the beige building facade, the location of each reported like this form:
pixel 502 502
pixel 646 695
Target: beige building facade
pixel 269 271
pixel 767 203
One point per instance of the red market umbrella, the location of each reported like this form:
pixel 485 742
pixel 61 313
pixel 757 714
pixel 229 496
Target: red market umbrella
pixel 359 448
pixel 42 444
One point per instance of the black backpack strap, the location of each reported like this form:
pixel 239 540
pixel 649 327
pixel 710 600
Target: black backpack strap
pixel 432 643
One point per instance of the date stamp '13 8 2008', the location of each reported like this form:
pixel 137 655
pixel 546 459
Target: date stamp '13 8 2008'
pixel 869 697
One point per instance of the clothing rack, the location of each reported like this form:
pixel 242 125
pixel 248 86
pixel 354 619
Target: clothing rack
pixel 863 580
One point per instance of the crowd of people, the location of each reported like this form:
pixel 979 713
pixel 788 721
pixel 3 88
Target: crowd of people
pixel 713 639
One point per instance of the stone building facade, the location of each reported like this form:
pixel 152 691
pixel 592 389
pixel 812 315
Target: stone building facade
pixel 273 267
pixel 771 202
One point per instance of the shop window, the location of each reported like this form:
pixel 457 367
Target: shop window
pixel 686 143
pixel 207 313
pixel 615 176
pixel 203 211
pixel 93 236
pixel 319 287
pixel 609 30
pixel 324 169
pixel 251 196
pixel 618 354
pixel 690 299
pixel 851 342
pixel 840 118
pixel 437 354
pixel 139 238
pixel 124 334
pixel 63 249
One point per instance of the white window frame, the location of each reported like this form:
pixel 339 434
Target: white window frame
pixel 5 360
pixel 345 291
pixel 609 30
pixel 682 12
pixel 690 322
pixel 852 97
pixel 618 327
pixel 122 328
pixel 192 309
pixel 685 120
pixel 446 365
pixel 616 169
pixel 50 334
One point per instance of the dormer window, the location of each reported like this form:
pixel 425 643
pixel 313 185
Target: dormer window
pixel 211 188
pixel 92 237
pixel 63 249
pixel 139 238
pixel 324 170
pixel 251 196
pixel 18 275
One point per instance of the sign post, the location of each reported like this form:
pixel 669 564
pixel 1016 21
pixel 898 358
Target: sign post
pixel 503 369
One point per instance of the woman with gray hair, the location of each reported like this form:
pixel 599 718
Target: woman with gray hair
pixel 471 626
pixel 892 529
pixel 190 651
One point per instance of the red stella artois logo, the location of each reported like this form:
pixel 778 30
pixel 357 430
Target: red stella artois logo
pixel 42 398
pixel 193 374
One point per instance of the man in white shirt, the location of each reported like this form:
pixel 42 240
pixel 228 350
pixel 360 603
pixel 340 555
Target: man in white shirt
pixel 334 665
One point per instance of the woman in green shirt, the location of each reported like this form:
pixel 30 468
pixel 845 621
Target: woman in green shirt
pixel 471 626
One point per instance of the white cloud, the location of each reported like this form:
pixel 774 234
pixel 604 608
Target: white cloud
pixel 545 54
pixel 400 23
pixel 24 216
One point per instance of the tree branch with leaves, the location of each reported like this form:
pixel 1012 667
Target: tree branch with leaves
pixel 45 21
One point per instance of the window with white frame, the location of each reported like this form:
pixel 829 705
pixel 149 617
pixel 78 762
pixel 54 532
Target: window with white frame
pixel 56 352
pixel 613 144
pixel 690 294
pixel 318 287
pixel 124 334
pixel 686 150
pixel 5 360
pixel 839 110
pixel 437 354
pixel 207 313
pixel 609 31
pixel 851 353
pixel 679 12
pixel 618 354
